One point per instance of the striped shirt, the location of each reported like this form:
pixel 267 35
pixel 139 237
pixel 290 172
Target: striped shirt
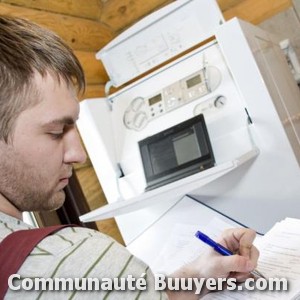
pixel 79 253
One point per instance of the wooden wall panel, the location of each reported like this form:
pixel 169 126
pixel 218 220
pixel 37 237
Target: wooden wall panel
pixel 119 14
pixel 93 91
pixel 80 34
pixel 94 70
pixel 227 4
pixel 93 191
pixel 89 9
pixel 256 11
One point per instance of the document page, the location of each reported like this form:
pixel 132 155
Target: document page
pixel 182 246
pixel 255 295
pixel 279 258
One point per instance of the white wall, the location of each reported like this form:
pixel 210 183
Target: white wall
pixel 286 25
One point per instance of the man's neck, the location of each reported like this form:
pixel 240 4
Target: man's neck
pixel 7 208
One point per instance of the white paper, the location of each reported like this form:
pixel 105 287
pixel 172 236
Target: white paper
pixel 182 246
pixel 279 258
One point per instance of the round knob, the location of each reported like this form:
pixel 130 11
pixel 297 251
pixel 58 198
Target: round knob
pixel 140 120
pixel 220 101
pixel 137 103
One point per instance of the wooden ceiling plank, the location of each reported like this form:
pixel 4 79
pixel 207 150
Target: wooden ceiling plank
pixel 90 9
pixel 80 34
pixel 227 4
pixel 93 68
pixel 120 14
pixel 256 11
pixel 93 91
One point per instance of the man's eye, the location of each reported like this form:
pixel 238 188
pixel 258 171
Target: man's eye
pixel 56 135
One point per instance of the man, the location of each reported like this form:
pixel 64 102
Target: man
pixel 39 80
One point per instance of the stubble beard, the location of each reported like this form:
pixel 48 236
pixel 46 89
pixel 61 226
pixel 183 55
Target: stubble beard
pixel 25 188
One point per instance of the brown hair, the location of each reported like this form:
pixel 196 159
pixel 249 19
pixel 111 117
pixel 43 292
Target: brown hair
pixel 26 48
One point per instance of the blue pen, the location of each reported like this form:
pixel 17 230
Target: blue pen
pixel 220 249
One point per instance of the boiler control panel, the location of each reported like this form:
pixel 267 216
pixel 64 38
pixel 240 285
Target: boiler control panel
pixel 142 110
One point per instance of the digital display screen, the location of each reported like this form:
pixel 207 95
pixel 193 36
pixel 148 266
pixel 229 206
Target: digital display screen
pixel 161 156
pixel 193 81
pixel 186 147
pixel 154 99
pixel 176 152
pixel 173 151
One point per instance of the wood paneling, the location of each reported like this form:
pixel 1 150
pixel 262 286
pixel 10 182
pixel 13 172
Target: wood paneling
pixel 94 70
pixel 80 34
pixel 93 192
pixel 119 14
pixel 227 4
pixel 93 91
pixel 256 11
pixel 89 9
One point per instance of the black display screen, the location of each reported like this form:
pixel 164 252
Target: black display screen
pixel 176 152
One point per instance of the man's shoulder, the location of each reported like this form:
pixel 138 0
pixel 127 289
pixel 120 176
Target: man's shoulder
pixel 74 235
pixel 10 224
pixel 74 239
pixel 69 235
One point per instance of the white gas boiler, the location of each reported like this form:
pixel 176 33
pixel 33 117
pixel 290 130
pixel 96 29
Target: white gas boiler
pixel 205 108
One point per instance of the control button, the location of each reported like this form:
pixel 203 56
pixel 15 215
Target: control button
pixel 128 119
pixel 171 102
pixel 220 101
pixel 137 103
pixel 191 94
pixel 140 120
pixel 207 107
pixel 203 89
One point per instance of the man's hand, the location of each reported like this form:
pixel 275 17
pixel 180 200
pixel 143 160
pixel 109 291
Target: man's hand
pixel 213 265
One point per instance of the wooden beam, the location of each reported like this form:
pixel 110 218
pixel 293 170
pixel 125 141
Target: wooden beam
pixel 257 11
pixel 80 34
pixel 96 198
pixel 90 9
pixel 93 69
pixel 121 14
pixel 227 4
pixel 93 91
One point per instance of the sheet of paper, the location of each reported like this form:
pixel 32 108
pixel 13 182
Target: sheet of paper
pixel 292 294
pixel 279 258
pixel 182 246
pixel 280 250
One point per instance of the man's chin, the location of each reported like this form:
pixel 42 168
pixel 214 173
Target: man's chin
pixel 56 202
pixel 59 200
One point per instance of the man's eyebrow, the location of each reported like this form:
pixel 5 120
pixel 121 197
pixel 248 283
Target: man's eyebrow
pixel 60 121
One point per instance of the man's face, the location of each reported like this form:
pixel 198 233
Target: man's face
pixel 37 162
